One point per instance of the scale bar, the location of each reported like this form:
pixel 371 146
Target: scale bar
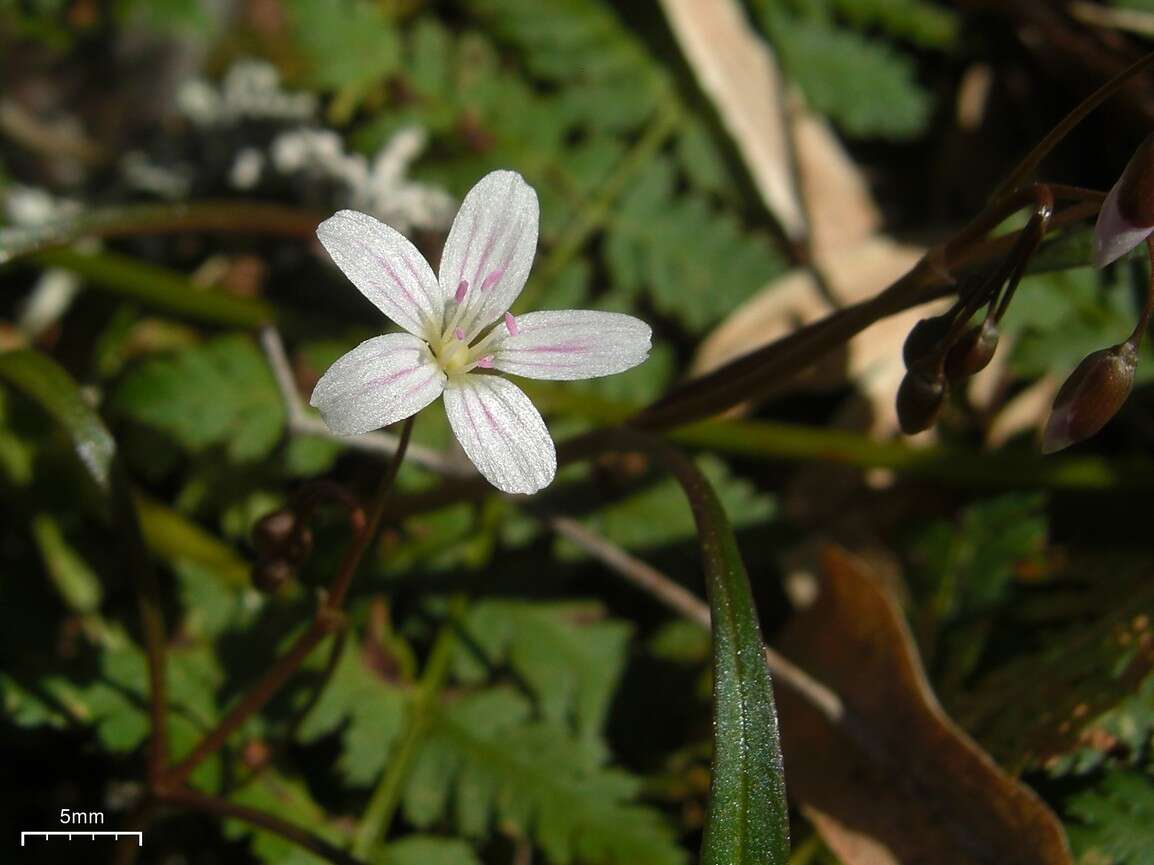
pixel 91 835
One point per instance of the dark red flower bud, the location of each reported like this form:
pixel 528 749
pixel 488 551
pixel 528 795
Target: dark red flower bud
pixel 271 575
pixel 924 337
pixel 281 534
pixel 919 401
pixel 1091 396
pixel 974 351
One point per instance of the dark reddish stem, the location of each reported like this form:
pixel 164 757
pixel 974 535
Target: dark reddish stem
pixel 222 808
pixel 329 619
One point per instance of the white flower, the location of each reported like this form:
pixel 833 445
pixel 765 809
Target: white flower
pixel 459 332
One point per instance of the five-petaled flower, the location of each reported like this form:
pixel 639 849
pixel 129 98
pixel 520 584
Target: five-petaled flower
pixel 459 332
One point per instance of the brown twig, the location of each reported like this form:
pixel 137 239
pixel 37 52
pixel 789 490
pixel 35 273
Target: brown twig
pixel 682 601
pixel 303 423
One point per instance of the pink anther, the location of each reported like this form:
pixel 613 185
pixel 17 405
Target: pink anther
pixel 462 287
pixel 492 279
pixel 511 324
pixel 486 362
pixel 459 334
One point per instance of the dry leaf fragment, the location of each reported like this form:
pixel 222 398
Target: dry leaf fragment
pixel 737 70
pixel 920 790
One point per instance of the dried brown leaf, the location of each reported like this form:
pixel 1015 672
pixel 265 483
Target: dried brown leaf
pixel 908 786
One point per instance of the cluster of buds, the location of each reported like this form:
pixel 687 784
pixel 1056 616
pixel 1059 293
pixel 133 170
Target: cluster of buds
pixel 948 348
pixel 282 540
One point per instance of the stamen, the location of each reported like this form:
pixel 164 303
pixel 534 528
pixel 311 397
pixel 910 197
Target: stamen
pixel 486 362
pixel 462 287
pixel 511 324
pixel 492 279
pixel 459 334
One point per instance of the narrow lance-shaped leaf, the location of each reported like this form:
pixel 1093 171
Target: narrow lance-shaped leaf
pixel 45 382
pixel 50 386
pixel 748 821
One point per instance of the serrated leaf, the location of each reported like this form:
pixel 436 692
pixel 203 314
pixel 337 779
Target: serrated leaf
pixel 1115 820
pixel 345 43
pixel 697 264
pixel 220 394
pixel 1059 318
pixel 568 656
pixel 483 761
pixel 581 43
pixel 428 850
pixel 864 86
pixel 290 799
pixel 368 712
pixel 925 24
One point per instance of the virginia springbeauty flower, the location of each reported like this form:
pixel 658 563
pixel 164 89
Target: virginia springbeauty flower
pixel 459 333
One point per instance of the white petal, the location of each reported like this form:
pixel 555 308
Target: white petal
pixel 568 344
pixel 383 380
pixel 490 248
pixel 387 269
pixel 501 431
pixel 1114 234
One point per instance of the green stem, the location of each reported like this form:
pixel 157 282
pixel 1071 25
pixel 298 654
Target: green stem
pixel 243 217
pixel 387 796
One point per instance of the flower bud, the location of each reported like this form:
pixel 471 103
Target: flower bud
pixel 1127 215
pixel 281 534
pixel 1090 396
pixel 271 575
pixel 924 337
pixel 974 351
pixel 919 401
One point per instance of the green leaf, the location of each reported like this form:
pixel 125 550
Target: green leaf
pixel 566 654
pixel 158 287
pixel 864 86
pixel 696 263
pixel 76 582
pixel 221 393
pixel 181 542
pixel 428 850
pixel 657 515
pixel 1061 317
pixel 290 799
pixel 968 565
pixel 367 710
pixel 345 43
pixel 44 381
pixel 611 79
pixel 1115 820
pixel 925 24
pixel 748 819
pixel 484 761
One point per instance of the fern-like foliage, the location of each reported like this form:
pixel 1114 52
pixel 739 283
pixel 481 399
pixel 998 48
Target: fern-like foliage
pixel 696 263
pixel 220 394
pixel 864 84
pixel 1115 820
pixel 487 761
pixel 567 656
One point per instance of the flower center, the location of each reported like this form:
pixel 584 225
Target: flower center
pixel 455 356
pixel 450 346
